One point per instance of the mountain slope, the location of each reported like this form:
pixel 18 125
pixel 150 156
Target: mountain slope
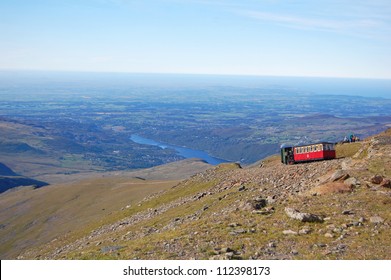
pixel 31 217
pixel 230 212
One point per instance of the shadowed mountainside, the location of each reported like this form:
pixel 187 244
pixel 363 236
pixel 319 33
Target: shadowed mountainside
pixel 6 171
pixel 9 180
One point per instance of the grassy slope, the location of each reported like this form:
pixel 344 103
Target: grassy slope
pixel 32 217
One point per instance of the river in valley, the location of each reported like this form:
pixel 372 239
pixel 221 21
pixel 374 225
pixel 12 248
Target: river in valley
pixel 182 151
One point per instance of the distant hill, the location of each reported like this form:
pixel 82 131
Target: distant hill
pixel 16 147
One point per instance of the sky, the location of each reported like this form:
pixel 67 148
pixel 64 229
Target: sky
pixel 323 38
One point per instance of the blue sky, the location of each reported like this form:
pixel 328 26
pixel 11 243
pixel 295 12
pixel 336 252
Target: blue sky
pixel 345 38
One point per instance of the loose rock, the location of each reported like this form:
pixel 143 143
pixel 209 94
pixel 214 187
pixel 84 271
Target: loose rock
pixel 352 182
pixel 377 179
pixel 234 225
pixel 304 231
pixel 376 220
pixel 264 211
pixel 303 217
pixel 339 175
pixel 294 252
pixel 258 203
pixel 386 183
pixel 289 232
pixel 347 212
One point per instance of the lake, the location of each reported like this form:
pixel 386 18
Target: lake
pixel 182 151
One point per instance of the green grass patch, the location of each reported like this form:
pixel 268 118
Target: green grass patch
pixel 347 149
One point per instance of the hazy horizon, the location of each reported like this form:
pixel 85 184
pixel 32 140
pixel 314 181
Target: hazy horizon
pixel 312 85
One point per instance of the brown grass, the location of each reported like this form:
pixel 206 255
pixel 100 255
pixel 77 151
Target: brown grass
pixel 330 187
pixel 36 216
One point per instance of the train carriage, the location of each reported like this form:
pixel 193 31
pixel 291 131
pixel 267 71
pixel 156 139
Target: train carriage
pixel 308 152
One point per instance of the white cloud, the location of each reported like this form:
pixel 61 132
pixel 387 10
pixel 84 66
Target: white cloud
pixel 313 23
pixel 372 24
pixel 362 18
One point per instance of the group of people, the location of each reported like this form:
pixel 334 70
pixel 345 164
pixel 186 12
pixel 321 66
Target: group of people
pixel 351 138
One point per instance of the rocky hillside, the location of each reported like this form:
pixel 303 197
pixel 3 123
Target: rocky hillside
pixel 337 209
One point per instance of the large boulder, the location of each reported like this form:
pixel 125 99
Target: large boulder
pixel 303 217
pixel 339 175
pixel 255 204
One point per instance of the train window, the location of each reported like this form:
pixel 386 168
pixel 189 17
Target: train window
pixel 301 149
pixel 310 148
pixel 315 148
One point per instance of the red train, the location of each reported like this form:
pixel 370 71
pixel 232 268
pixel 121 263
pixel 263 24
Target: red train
pixel 306 153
